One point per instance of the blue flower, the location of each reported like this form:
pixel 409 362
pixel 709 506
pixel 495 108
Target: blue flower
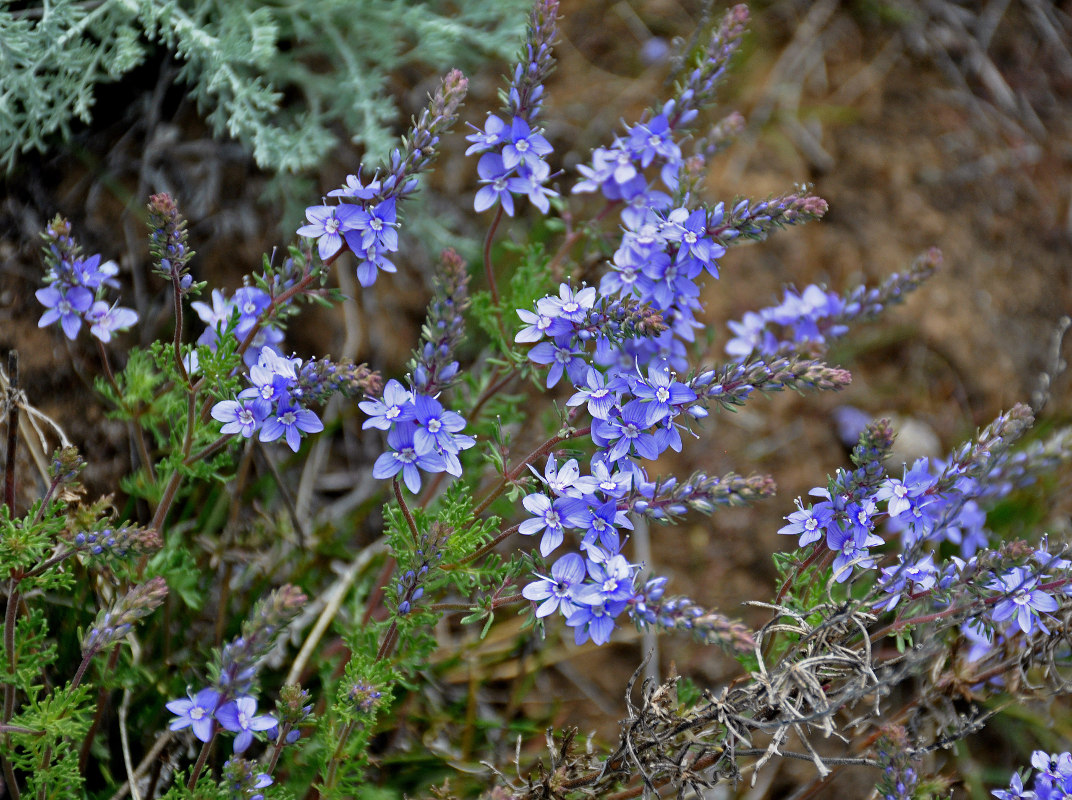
pixel 240 716
pixel 107 319
pixel 396 406
pixel 661 393
pixel 374 227
pixel 238 417
pixel 627 430
pixel 548 517
pixel 405 457
pixel 563 354
pixel 600 395
pixel 1015 791
pixel 354 188
pixel 1025 602
pixel 530 181
pixel 250 302
pixel 66 305
pixel 495 177
pixel 539 325
pixel 438 426
pixel 601 523
pixel 555 592
pixel 89 272
pixel 565 480
pixel 290 421
pixel 524 146
pixel 654 138
pixel 487 139
pixel 327 224
pixel 595 621
pixel 611 484
pixel 196 712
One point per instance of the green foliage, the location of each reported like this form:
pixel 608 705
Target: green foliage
pixel 529 280
pixel 330 59
pixel 54 719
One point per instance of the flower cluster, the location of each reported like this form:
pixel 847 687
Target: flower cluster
pixel 77 287
pixel 237 316
pixel 514 148
pixel 808 320
pixel 201 713
pixel 932 504
pixel 272 406
pixel 574 320
pixel 365 219
pixel 230 703
pixel 421 434
pixel 1053 779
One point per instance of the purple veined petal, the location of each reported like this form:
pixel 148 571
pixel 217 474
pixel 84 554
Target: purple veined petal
pixel 531 526
pixel 225 410
pixel 412 477
pixel 328 245
pixel 49 297
pixel 537 504
pixel 537 590
pixel 1043 602
pixel 272 429
pixel 293 437
pixel 552 538
pixel 485 198
pixel 547 607
pixel 308 421
pixel 48 318
pixel 386 466
pixel 366 274
pixel 71 323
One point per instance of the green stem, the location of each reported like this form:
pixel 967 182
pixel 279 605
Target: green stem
pixel 513 474
pixel 498 602
pixel 201 759
pixel 489 271
pixel 406 513
pixel 336 756
pixel 483 551
pixel 98 715
pixel 9 688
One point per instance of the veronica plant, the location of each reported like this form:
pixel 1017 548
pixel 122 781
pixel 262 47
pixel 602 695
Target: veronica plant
pixel 235 643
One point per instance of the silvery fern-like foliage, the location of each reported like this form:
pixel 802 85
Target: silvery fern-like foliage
pixel 331 58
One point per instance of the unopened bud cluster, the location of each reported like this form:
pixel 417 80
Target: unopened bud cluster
pixel 119 542
pixel 113 624
pixel 167 241
pixel 320 378
pixel 433 367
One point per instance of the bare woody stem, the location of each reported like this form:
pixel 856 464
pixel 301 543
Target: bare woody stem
pixel 12 430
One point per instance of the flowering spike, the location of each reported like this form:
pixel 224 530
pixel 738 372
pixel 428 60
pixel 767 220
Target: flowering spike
pixel 112 625
pixel 167 241
pixel 433 368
